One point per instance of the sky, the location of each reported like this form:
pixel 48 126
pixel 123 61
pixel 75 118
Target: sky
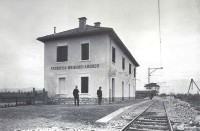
pixel 135 21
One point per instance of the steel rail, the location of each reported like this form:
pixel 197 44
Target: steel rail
pixel 129 124
pixel 168 120
pixel 132 121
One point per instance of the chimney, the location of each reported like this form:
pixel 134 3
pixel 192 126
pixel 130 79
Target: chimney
pixel 54 30
pixel 97 24
pixel 82 23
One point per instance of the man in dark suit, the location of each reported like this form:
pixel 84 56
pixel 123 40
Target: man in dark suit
pixel 99 95
pixel 76 95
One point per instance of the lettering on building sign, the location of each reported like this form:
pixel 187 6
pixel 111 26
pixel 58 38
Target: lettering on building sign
pixel 75 67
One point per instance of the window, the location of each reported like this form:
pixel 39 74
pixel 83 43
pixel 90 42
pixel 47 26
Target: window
pixel 62 53
pixel 134 72
pixel 61 85
pixel 129 68
pixel 113 54
pixel 123 63
pixel 84 84
pixel 85 51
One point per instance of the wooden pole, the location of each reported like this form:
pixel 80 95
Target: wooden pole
pixel 16 101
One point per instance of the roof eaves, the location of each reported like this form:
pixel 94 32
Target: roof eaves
pixel 72 35
pixel 121 45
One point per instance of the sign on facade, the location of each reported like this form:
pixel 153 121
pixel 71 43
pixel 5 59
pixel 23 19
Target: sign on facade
pixel 75 67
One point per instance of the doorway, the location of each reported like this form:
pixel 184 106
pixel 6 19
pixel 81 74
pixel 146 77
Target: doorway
pixel 129 91
pixel 84 84
pixel 122 91
pixel 113 89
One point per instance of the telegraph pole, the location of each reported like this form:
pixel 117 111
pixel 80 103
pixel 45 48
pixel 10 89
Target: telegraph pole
pixel 191 85
pixel 150 72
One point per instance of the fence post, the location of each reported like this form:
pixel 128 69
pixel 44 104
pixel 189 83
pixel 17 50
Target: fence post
pixel 16 101
pixel 44 94
pixel 33 102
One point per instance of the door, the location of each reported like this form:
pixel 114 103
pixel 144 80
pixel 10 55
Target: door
pixel 113 89
pixel 84 84
pixel 129 91
pixel 61 86
pixel 122 91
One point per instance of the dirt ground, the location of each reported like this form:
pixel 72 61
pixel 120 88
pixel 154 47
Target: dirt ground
pixel 48 116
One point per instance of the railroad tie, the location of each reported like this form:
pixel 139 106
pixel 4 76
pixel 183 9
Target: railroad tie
pixel 154 118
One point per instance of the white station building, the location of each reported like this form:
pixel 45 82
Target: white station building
pixel 89 57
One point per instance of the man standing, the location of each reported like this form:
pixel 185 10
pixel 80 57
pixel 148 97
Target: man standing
pixel 99 95
pixel 76 95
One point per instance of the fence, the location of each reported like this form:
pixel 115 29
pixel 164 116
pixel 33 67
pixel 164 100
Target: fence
pixel 9 99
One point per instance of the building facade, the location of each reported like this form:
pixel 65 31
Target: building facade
pixel 89 57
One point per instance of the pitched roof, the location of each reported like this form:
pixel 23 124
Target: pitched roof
pixel 74 33
pixel 90 30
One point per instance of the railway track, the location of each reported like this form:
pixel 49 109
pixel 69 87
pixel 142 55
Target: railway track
pixel 154 118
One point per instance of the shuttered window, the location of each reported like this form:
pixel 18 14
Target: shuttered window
pixel 85 51
pixel 134 72
pixel 113 54
pixel 62 53
pixel 123 63
pixel 129 68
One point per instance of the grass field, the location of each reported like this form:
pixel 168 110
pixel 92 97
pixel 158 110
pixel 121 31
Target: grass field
pixel 29 117
pixel 193 99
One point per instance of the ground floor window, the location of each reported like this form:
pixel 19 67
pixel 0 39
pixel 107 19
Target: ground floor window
pixel 61 85
pixel 84 84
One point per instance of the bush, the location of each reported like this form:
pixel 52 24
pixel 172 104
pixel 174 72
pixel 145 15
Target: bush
pixel 191 98
pixel 163 94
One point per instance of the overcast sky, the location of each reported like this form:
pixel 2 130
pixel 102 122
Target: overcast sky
pixel 135 22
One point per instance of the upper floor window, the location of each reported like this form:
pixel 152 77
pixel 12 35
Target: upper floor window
pixel 129 68
pixel 85 51
pixel 62 53
pixel 123 63
pixel 113 54
pixel 134 72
